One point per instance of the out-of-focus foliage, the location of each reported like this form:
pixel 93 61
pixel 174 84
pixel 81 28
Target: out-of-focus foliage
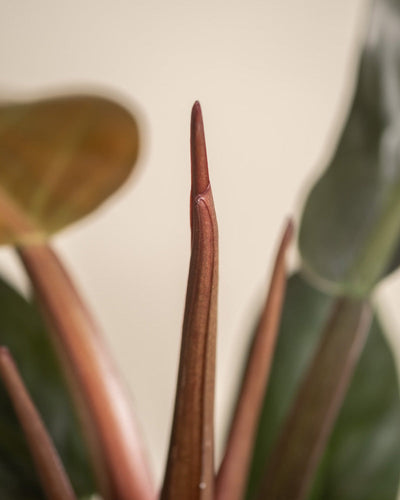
pixel 350 230
pixel 362 461
pixel 60 159
pixel 23 332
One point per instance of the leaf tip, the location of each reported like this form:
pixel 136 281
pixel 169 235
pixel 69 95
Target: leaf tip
pixel 200 177
pixel 287 233
pixel 5 355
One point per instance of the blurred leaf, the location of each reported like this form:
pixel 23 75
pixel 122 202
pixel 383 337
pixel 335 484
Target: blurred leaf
pixel 59 159
pixel 350 230
pixel 363 455
pixel 308 425
pixel 363 458
pixel 22 331
pixel 304 313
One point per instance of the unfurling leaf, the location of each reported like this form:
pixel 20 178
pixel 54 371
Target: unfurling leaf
pixel 190 466
pixel 60 159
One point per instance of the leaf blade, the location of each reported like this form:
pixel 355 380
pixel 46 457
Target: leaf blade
pixel 363 456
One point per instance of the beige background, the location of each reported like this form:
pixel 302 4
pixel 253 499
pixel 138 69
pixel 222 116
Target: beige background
pixel 273 77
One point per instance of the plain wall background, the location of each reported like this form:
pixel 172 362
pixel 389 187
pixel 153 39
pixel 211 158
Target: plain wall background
pixel 273 78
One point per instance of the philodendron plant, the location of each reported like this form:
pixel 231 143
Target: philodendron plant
pixel 318 411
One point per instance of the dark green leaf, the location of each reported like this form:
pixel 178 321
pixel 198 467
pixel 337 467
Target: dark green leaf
pixel 363 455
pixel 48 465
pixel 303 437
pixel 350 229
pixel 22 331
pixel 363 458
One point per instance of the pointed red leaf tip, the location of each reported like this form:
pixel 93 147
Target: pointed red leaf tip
pixel 200 178
pixel 190 466
pixel 198 153
pixel 233 472
pixel 50 470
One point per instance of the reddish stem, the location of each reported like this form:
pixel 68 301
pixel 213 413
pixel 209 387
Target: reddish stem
pixel 118 452
pixel 233 472
pixel 54 480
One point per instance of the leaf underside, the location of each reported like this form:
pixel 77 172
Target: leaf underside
pixel 60 159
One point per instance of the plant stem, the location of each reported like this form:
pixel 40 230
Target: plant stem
pixel 233 472
pixel 53 478
pixel 119 457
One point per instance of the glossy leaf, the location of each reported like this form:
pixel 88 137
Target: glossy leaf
pixel 190 466
pixel 49 467
pixel 22 331
pixel 350 229
pixel 362 460
pixel 60 158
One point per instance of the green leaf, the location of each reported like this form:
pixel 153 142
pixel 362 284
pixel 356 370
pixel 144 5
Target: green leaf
pixel 363 455
pixel 350 229
pixel 303 437
pixel 363 458
pixel 22 331
pixel 60 159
